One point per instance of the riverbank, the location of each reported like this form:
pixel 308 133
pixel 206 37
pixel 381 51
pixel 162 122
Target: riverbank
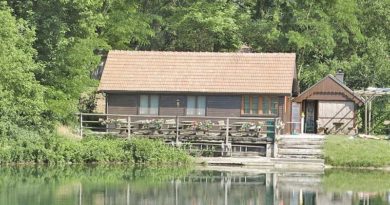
pixel 56 149
pixel 344 151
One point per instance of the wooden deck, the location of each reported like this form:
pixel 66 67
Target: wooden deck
pixel 217 136
pixel 223 134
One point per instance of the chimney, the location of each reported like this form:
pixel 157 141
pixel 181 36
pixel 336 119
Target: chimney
pixel 245 49
pixel 340 75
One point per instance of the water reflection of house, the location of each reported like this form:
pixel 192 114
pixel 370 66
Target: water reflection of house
pixel 229 188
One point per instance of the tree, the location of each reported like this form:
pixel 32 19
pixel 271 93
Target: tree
pixel 21 96
pixel 206 26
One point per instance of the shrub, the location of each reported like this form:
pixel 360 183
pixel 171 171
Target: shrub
pixel 54 149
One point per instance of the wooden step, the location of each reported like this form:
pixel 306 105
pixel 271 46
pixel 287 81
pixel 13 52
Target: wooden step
pixel 300 151
pixel 314 137
pixel 246 154
pixel 301 141
pixel 300 146
pixel 298 160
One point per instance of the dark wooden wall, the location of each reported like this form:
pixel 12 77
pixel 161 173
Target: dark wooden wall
pixel 125 104
pixel 223 106
pixel 216 105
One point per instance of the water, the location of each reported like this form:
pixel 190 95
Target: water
pixel 109 185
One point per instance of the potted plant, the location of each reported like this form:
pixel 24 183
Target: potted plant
pixel 202 127
pixel 246 126
pixel 110 121
pixel 154 125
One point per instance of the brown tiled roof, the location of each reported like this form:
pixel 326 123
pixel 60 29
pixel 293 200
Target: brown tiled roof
pixel 155 71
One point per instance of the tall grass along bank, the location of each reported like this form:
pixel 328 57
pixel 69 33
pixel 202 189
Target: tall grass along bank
pixel 343 151
pixel 55 149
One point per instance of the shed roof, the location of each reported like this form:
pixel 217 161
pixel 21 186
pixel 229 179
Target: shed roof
pixel 329 88
pixel 202 72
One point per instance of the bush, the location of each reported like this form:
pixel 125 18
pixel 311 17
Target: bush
pixel 148 151
pixel 55 149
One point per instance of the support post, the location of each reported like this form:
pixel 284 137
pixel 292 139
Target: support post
pixel 365 118
pixel 128 127
pixel 81 124
pixel 302 123
pixel 369 117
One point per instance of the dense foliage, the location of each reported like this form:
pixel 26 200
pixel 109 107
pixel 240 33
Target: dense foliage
pixel 32 148
pixel 49 47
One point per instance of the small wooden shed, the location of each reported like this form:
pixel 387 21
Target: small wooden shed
pixel 329 107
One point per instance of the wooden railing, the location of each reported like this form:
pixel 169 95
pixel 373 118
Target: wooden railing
pixel 183 128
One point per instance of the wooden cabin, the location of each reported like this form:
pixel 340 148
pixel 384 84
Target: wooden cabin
pixel 329 106
pixel 199 84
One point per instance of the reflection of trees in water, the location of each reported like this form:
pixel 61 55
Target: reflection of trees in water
pixel 123 185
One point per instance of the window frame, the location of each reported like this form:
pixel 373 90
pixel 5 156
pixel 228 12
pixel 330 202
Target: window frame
pixel 196 107
pixel 148 108
pixel 260 105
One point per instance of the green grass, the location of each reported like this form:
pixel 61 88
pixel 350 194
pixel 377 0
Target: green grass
pixel 342 151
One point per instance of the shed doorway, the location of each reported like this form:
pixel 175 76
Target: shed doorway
pixel 311 116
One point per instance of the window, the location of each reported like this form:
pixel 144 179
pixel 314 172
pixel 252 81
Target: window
pixel 251 105
pixel 259 105
pixel 148 105
pixel 196 105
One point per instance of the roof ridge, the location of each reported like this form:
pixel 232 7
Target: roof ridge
pixel 204 52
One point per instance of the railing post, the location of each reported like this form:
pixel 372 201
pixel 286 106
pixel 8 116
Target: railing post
pixel 276 121
pixel 227 147
pixel 227 132
pixel 81 124
pixel 128 127
pixel 177 130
